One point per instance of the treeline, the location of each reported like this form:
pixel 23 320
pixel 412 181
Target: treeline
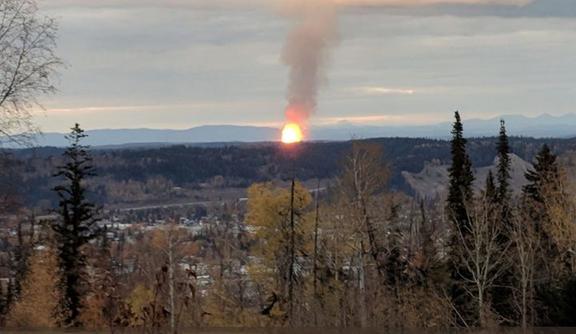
pixel 137 172
pixel 358 255
pixel 369 258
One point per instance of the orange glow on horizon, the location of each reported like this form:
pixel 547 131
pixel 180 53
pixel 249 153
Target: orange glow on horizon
pixel 292 133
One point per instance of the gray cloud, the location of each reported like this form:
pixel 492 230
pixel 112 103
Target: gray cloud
pixel 534 8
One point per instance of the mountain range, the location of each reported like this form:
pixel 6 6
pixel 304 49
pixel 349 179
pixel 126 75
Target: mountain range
pixel 539 127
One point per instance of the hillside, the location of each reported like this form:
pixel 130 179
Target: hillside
pixel 432 182
pixel 152 174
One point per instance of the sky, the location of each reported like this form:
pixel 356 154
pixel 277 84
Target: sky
pixel 185 63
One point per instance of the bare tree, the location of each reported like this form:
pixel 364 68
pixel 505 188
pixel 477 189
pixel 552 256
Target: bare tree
pixel 483 256
pixel 172 242
pixel 28 65
pixel 360 187
pixel 526 245
pixel 365 176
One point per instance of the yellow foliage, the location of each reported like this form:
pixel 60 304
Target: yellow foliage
pixel 269 215
pixel 174 236
pixel 140 297
pixel 36 307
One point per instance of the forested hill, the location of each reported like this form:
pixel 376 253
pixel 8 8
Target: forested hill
pixel 239 165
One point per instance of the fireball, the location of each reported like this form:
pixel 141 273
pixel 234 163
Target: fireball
pixel 292 133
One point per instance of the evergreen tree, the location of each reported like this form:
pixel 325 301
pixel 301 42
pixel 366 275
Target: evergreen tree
pixel 542 198
pixel 503 173
pixel 461 178
pixel 490 188
pixel 460 196
pixel 502 294
pixel 551 212
pixel 75 226
pixel 544 177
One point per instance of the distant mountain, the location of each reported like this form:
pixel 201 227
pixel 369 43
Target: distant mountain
pixel 539 127
pixel 542 126
pixel 157 137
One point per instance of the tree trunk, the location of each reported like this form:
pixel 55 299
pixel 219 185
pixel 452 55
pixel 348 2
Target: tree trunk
pixel 292 256
pixel 481 318
pixel 362 294
pixel 171 286
pixel 315 266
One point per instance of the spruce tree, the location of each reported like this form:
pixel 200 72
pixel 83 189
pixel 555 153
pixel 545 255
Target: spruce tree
pixel 460 196
pixel 542 191
pixel 75 226
pixel 549 208
pixel 544 177
pixel 502 295
pixel 461 178
pixel 490 189
pixel 503 173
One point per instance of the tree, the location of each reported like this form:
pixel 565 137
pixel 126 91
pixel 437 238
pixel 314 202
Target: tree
pixel 503 169
pixel 28 65
pixel 363 180
pixel 25 243
pixel 101 304
pixel 365 176
pixel 76 225
pixel 484 258
pixel 37 303
pixel 460 197
pixel 544 199
pixel 544 177
pixel 228 301
pixel 175 243
pixel 525 245
pixel 337 291
pixel 552 213
pixel 490 188
pixel 461 178
pixel 502 293
pixel 269 213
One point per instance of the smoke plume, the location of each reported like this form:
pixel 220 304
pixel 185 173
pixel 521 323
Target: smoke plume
pixel 314 34
pixel 305 52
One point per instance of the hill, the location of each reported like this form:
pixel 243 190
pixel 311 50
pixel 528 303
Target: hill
pixel 432 181
pixel 167 173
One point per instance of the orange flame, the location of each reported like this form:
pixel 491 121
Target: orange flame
pixel 292 133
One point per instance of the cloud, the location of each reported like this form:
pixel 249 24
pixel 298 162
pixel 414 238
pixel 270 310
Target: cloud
pixel 413 119
pixel 380 91
pixel 149 3
pixel 273 3
pixel 502 8
pixel 432 2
